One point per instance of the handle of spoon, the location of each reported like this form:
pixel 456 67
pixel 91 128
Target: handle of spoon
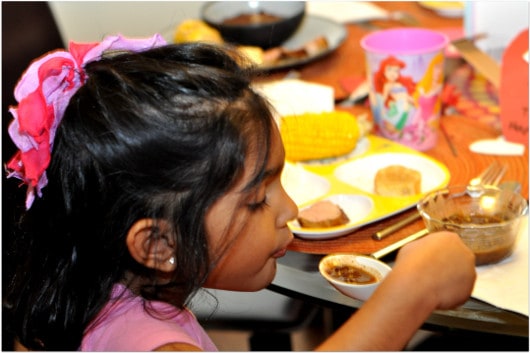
pixel 392 247
pixel 396 226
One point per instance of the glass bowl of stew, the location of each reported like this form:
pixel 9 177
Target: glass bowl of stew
pixel 356 276
pixel 264 24
pixel 486 218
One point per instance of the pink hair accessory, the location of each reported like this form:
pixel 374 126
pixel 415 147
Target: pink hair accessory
pixel 43 93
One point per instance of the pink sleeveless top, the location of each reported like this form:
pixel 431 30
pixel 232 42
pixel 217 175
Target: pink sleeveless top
pixel 124 325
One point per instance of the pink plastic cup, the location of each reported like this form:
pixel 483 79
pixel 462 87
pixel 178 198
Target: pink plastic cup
pixel 405 71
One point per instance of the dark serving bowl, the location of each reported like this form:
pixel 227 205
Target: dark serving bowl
pixel 264 24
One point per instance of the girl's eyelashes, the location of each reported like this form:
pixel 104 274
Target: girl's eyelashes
pixel 255 206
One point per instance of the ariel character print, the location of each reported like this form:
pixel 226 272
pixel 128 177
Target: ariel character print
pixel 394 93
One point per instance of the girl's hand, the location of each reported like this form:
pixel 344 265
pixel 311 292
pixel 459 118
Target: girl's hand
pixel 435 272
pixel 442 266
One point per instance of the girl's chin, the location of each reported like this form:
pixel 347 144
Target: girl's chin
pixel 253 283
pixel 262 279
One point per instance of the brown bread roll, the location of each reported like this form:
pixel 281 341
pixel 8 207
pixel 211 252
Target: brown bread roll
pixel 397 180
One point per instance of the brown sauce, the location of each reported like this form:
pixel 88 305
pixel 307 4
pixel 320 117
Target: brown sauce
pixel 486 252
pixel 484 257
pixel 351 274
pixel 251 19
pixel 475 219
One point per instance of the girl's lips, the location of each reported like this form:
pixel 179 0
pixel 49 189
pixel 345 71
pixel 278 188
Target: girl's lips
pixel 279 253
pixel 283 250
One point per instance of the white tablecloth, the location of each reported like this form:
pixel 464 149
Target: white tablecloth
pixel 505 284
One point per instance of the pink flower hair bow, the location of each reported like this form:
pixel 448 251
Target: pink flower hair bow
pixel 43 93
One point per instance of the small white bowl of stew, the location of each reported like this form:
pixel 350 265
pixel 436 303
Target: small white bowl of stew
pixel 356 276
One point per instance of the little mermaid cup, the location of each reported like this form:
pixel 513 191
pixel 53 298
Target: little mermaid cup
pixel 405 72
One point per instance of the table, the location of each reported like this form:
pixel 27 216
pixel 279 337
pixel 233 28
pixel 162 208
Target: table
pixel 298 275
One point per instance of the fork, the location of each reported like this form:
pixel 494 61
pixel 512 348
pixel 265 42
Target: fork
pixel 490 176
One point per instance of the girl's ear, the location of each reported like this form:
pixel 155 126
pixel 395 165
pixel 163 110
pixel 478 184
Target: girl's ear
pixel 151 243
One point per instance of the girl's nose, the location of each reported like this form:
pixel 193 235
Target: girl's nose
pixel 289 211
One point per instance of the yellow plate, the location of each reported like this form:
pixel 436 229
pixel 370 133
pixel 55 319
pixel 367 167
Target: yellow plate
pixel 348 181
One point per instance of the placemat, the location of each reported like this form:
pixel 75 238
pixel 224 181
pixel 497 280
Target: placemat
pixel 360 241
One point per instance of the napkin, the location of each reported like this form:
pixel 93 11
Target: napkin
pixel 294 96
pixel 505 284
pixel 498 146
pixel 346 11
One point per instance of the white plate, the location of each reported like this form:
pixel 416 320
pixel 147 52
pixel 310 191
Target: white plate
pixel 311 27
pixel 303 186
pixel 360 173
pixel 450 9
pixel 356 207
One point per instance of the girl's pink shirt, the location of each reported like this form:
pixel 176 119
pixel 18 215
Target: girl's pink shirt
pixel 125 325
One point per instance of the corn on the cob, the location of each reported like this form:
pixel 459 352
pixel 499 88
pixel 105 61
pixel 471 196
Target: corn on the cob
pixel 320 135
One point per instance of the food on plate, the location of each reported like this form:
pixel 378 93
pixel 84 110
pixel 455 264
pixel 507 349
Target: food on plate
pixel 194 30
pixel 397 180
pixel 275 55
pixel 312 136
pixel 311 48
pixel 255 54
pixel 322 214
pixel 252 18
pixel 316 46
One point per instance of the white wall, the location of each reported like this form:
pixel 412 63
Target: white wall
pixel 86 21
pixel 501 21
pixel 92 20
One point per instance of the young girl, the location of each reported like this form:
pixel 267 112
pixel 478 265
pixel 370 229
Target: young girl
pixel 154 170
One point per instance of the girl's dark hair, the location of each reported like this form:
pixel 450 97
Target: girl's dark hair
pixel 159 134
